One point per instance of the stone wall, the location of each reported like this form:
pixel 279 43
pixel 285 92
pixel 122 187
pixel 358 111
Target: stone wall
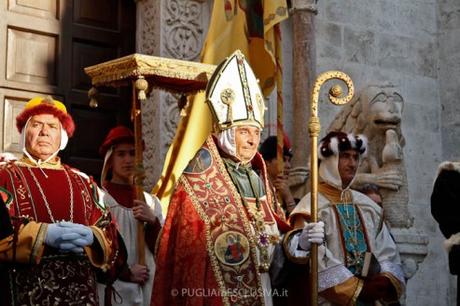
pixel 449 88
pixel 449 72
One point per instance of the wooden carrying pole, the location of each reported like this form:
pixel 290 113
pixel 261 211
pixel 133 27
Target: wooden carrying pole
pixel 139 88
pixel 279 104
pixel 314 127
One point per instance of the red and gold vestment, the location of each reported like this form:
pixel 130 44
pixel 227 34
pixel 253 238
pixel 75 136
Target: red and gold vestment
pixel 36 197
pixel 216 245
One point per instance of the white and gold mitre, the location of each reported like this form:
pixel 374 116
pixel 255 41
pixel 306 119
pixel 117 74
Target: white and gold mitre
pixel 234 95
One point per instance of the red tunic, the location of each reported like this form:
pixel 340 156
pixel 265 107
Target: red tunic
pixel 57 191
pixel 38 197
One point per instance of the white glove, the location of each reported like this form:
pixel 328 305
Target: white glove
pixel 67 236
pixel 311 233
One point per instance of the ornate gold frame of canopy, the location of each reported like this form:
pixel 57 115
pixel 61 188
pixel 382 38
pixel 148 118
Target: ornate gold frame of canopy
pixel 163 73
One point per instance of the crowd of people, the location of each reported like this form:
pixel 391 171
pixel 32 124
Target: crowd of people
pixel 233 234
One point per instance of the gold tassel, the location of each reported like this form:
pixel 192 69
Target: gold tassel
pixel 141 87
pixel 92 93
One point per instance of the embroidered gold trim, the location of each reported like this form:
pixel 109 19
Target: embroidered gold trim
pixel 266 211
pixel 39 242
pixel 209 235
pixel 237 197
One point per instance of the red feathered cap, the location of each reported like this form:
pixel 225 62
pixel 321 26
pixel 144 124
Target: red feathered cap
pixel 117 135
pixel 39 106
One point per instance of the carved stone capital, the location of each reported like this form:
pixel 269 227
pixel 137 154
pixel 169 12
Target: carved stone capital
pixel 304 5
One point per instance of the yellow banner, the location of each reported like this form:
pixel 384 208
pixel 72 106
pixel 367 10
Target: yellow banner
pixel 247 25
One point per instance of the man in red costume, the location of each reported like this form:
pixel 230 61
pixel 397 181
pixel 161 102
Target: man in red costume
pixel 220 201
pixel 136 281
pixel 60 232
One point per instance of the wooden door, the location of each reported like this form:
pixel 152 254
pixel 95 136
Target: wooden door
pixel 48 43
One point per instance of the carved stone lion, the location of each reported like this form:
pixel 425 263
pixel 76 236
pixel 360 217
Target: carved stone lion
pixel 376 113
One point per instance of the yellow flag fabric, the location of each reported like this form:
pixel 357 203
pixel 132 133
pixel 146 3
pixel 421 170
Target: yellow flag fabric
pixel 191 133
pixel 247 25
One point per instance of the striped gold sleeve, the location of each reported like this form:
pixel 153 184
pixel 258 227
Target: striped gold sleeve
pixel 345 293
pixel 396 284
pixel 286 240
pixel 39 244
pixel 30 244
pixel 99 253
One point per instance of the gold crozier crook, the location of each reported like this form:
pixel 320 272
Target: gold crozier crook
pixel 314 127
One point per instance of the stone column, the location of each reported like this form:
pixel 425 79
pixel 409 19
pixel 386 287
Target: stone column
pixel 304 72
pixel 148 42
pixel 173 29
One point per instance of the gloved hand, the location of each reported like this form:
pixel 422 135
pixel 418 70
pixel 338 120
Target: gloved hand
pixel 377 288
pixel 311 233
pixel 79 234
pixel 67 236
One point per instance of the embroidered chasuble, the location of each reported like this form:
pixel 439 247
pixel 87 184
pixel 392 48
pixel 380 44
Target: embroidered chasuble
pixel 36 273
pixel 219 235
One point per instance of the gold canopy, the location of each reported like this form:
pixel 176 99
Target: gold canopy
pixel 163 73
pixel 143 73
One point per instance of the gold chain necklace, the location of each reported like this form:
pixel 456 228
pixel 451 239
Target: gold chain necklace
pixel 45 200
pixel 263 239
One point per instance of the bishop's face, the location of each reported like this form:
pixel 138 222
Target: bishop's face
pixel 43 136
pixel 247 139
